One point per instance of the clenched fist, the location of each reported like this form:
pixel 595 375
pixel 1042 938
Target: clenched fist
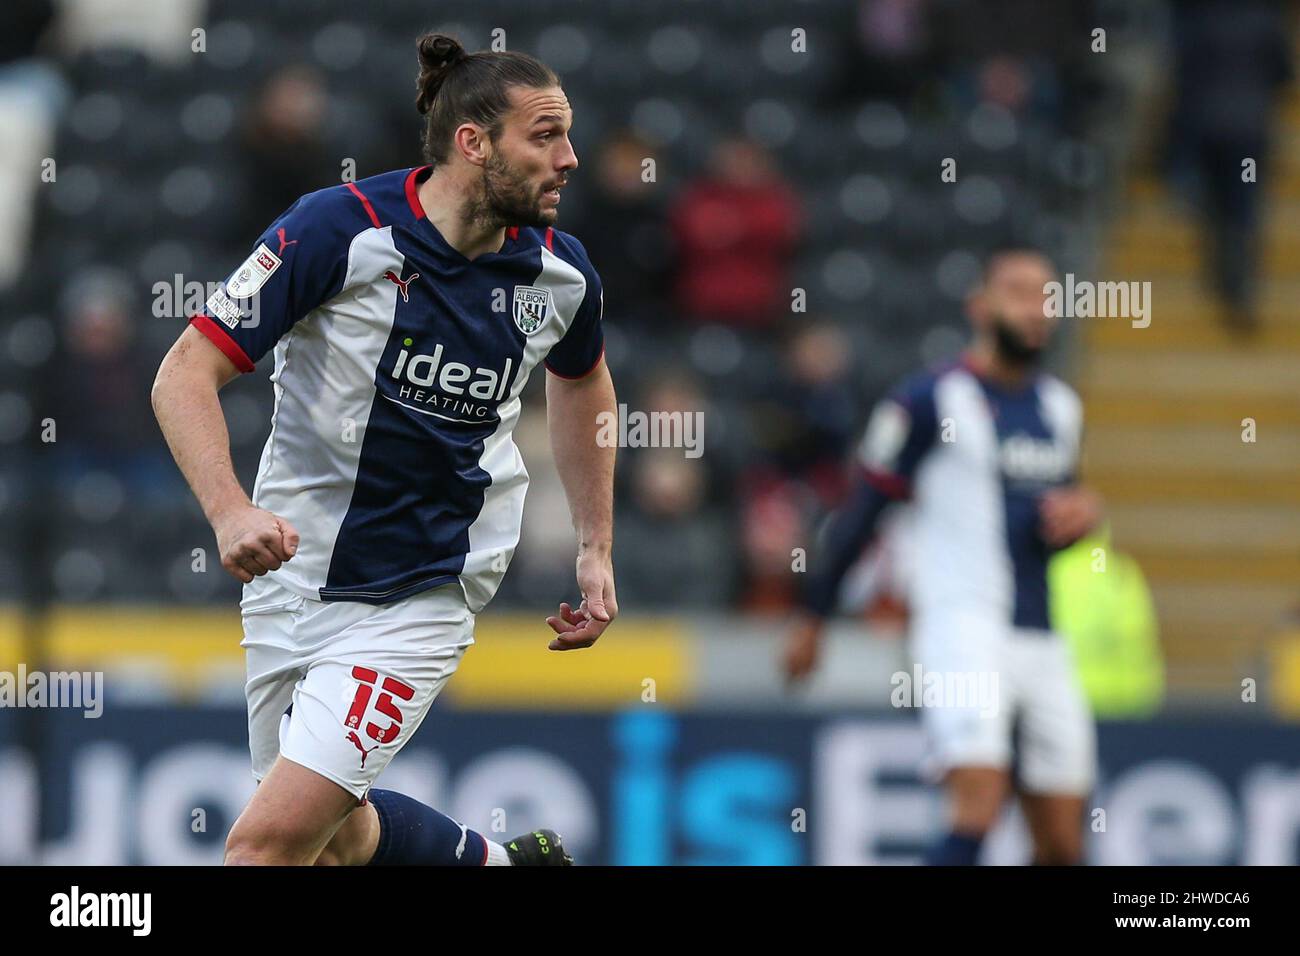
pixel 253 541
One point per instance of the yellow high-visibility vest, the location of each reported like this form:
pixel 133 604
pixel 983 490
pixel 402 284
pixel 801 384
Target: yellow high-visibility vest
pixel 1101 605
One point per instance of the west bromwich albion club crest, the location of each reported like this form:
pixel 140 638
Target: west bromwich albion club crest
pixel 532 305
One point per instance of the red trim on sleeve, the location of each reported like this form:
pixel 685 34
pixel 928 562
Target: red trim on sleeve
pixel 890 485
pixel 413 191
pixel 550 235
pixel 370 210
pixel 222 340
pixel 574 378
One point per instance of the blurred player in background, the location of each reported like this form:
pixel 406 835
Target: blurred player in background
pixel 406 312
pixel 987 450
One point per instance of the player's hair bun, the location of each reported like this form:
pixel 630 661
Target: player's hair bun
pixel 439 53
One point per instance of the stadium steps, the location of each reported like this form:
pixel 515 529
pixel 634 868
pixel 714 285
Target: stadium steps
pixel 1213 520
pixel 1176 371
pixel 1184 314
pixel 1240 528
pixel 1207 487
pixel 1161 238
pixel 1140 408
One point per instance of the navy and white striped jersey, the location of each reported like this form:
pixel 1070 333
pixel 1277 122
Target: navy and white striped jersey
pixel 975 457
pixel 398 369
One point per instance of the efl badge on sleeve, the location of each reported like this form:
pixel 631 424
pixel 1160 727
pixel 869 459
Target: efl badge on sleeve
pixel 531 308
pixel 250 277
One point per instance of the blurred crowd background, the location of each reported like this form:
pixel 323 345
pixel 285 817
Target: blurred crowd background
pixel 762 190
pixel 794 252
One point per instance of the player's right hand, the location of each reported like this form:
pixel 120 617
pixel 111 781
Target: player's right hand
pixel 801 648
pixel 252 541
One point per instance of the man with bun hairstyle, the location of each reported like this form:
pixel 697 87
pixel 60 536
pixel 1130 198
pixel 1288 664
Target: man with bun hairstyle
pixel 405 312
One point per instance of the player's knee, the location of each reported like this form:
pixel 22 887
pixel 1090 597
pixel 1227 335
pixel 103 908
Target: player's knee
pixel 244 849
pixel 250 844
pixel 975 809
pixel 354 842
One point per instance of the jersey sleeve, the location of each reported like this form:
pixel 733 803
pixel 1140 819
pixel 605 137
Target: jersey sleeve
pixel 299 262
pixel 902 429
pixel 580 349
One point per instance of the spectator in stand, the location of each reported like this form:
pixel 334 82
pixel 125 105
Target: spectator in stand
pixel 801 426
pixel 1233 59
pixel 102 415
pixel 772 527
pixel 671 550
pixel 736 230
pixel 621 223
pixel 285 151
pixel 1024 56
pixel 884 52
pixel 804 421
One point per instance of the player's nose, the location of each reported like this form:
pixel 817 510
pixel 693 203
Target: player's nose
pixel 567 158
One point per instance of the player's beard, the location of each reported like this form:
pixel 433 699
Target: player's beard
pixel 1011 345
pixel 509 198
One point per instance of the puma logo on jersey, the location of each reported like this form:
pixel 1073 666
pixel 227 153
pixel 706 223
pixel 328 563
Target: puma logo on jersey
pixel 284 242
pixel 402 284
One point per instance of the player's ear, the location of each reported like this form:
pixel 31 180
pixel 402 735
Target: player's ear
pixel 471 141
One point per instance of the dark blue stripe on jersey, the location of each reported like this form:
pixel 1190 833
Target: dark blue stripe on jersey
pixel 1018 416
pixel 419 486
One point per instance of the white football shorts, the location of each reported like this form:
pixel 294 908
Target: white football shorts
pixel 339 687
pixel 1003 694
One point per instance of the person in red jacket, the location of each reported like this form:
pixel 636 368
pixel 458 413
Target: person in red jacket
pixel 736 230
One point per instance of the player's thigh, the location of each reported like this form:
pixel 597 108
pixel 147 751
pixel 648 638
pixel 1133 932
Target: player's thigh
pixel 292 816
pixel 1058 740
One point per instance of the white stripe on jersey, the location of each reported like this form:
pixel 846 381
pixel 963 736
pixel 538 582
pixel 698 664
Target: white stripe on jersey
pixel 324 375
pixel 961 560
pixel 494 533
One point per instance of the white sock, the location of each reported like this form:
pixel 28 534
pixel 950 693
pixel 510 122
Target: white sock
pixel 497 855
